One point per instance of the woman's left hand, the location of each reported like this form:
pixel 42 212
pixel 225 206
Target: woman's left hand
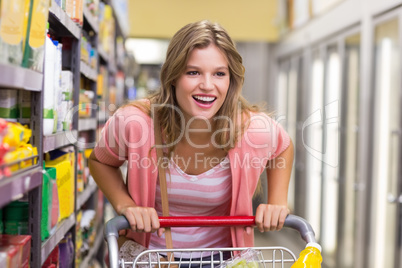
pixel 270 217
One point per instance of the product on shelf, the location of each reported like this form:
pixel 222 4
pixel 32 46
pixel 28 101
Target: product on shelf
pixel 66 105
pixel 78 239
pixel 52 260
pixel 93 7
pixel 34 47
pixel 57 86
pixel 120 51
pixel 12 15
pixel 85 105
pixel 16 140
pixel 23 246
pixel 22 152
pixel 88 230
pixel 55 211
pixel 106 29
pixel 48 89
pixel 64 164
pixel 49 178
pixel 17 135
pixel 66 252
pixel 15 218
pixel 9 104
pixel 9 257
pixel 74 9
pixel 53 95
pixel 24 101
pixel 4 148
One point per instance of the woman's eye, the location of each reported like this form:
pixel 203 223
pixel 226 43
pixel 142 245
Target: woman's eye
pixel 192 73
pixel 220 74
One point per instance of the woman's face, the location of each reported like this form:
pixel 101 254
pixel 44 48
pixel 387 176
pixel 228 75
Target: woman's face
pixel 202 88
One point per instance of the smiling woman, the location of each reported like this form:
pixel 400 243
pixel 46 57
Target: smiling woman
pixel 216 144
pixel 202 88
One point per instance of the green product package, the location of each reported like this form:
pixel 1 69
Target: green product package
pixel 34 46
pixel 49 174
pixel 1 222
pixel 16 218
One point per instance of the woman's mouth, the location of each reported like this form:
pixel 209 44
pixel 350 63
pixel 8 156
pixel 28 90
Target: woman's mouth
pixel 204 100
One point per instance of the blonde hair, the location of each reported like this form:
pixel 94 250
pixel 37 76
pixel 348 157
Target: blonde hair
pixel 200 35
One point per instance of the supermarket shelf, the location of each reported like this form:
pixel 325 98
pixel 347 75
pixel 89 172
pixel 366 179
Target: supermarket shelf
pixel 85 124
pixel 102 53
pixel 121 30
pixel 102 118
pixel 62 23
pixel 88 71
pixel 14 187
pixel 84 196
pixel 56 236
pixel 113 67
pixel 91 19
pixel 20 78
pixel 59 140
pixel 95 247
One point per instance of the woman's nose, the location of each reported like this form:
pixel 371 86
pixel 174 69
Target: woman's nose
pixel 206 83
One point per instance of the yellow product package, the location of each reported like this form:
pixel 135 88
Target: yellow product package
pixel 65 183
pixel 22 152
pixel 17 135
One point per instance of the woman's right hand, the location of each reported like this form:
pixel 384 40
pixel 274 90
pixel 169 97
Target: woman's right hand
pixel 142 219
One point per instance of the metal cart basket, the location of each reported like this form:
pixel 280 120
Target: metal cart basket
pixel 272 257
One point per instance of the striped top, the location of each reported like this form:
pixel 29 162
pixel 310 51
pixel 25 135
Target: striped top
pixel 206 194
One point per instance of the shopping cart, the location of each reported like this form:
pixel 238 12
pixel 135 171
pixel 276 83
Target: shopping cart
pixel 277 256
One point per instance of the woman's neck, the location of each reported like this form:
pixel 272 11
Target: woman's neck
pixel 198 132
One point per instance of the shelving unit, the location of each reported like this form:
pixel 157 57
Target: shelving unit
pixel 20 78
pixel 56 236
pixel 91 20
pixel 14 188
pixel 29 181
pixel 95 248
pixel 58 140
pixel 61 22
pixel 88 71
pixel 83 197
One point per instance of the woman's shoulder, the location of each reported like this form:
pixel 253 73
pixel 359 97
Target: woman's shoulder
pixel 137 108
pixel 259 120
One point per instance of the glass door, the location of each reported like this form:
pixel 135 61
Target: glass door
pixel 385 218
pixel 286 114
pixel 312 142
pixel 330 155
pixel 349 156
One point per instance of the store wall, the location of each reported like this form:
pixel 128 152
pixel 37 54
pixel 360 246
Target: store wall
pixel 256 59
pixel 244 21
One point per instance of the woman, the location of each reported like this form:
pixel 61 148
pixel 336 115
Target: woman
pixel 217 146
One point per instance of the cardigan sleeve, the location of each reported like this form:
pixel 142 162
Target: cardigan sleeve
pixel 126 130
pixel 264 134
pixel 281 139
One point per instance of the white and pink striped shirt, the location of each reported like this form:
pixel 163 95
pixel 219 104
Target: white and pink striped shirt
pixel 206 194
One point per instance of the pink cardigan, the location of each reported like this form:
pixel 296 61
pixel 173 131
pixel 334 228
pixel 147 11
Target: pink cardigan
pixel 129 135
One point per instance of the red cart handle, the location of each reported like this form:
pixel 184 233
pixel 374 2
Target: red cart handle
pixel 114 225
pixel 206 221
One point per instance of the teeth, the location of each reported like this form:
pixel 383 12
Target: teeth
pixel 204 98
